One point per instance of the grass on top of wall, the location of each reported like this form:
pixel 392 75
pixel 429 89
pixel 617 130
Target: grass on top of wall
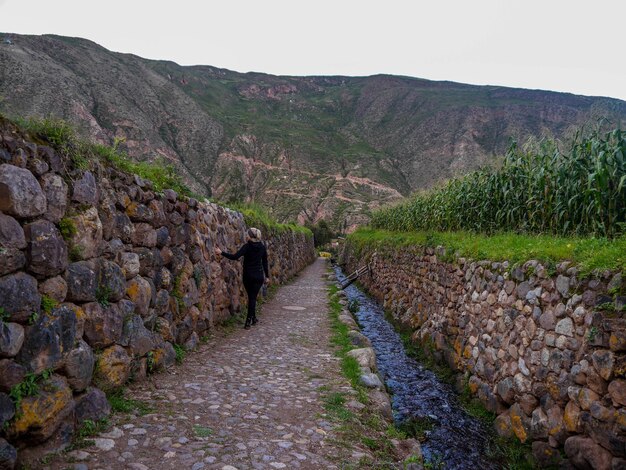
pixel 81 152
pixel 64 138
pixel 257 216
pixel 589 254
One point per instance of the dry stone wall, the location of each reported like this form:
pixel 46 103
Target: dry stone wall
pixel 543 349
pixel 100 276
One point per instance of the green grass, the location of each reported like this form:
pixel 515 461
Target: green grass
pixel 67 227
pixel 120 404
pixel 366 426
pixel 29 386
pixel 233 322
pixel 334 403
pixel 588 254
pixel 202 431
pixel 33 318
pixel 417 428
pixel 48 304
pixel 162 174
pixel 76 253
pixel 63 138
pixel 87 429
pixel 353 306
pixel 257 216
pixel 341 340
pixel 180 353
pixel 103 295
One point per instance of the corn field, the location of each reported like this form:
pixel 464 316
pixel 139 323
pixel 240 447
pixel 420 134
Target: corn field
pixel 579 192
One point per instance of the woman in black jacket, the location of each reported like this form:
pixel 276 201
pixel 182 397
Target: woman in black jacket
pixel 255 270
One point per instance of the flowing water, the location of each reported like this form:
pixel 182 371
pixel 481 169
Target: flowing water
pixel 456 440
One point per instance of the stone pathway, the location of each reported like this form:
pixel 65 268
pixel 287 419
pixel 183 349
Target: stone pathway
pixel 250 400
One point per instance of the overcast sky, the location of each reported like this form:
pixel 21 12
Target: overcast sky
pixel 563 45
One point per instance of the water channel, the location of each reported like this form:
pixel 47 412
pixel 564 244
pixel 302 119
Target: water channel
pixel 456 440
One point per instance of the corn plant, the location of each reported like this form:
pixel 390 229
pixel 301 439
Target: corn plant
pixel 544 190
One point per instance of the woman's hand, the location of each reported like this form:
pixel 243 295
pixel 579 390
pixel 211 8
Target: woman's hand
pixel 218 252
pixel 267 280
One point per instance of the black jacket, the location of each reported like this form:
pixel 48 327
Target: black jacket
pixel 254 259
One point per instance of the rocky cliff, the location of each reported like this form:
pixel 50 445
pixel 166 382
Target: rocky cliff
pixel 544 350
pixel 101 277
pixel 307 147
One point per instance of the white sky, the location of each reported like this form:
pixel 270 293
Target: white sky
pixel 564 45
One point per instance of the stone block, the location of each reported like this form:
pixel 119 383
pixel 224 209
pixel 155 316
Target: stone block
pixel 55 288
pixel 48 339
pixel 617 340
pixel 11 260
pixel 139 212
pixel 11 374
pixel 81 281
pixel 365 357
pixel 129 263
pixel 144 235
pixel 164 356
pixel 111 280
pixel 571 417
pixel 78 366
pixel 56 192
pixel 103 325
pixel 112 368
pixel 162 237
pixel 11 338
pixel 617 392
pixel 359 339
pixel 85 190
pixel 20 193
pixel 583 452
pixel 11 233
pixel 192 342
pixel 46 252
pixel 7 410
pixel 604 362
pixel 92 405
pixel 19 297
pixel 8 455
pixel 123 228
pixel 87 241
pixel 520 423
pixel 39 416
pixel 565 327
pixel 139 291
pixel 136 337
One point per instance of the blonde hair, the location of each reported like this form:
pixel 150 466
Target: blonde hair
pixel 254 233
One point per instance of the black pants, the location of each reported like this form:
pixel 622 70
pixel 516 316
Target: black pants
pixel 253 286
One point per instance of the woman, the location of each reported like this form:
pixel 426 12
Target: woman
pixel 255 270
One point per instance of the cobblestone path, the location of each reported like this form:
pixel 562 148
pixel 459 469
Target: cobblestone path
pixel 249 400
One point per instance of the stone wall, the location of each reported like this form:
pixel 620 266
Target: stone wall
pixel 100 276
pixel 543 349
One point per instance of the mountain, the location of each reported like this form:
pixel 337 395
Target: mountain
pixel 305 147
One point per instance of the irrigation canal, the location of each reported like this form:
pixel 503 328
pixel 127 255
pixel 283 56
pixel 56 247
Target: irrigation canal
pixel 454 440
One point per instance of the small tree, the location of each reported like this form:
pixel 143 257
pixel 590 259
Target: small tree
pixel 322 233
